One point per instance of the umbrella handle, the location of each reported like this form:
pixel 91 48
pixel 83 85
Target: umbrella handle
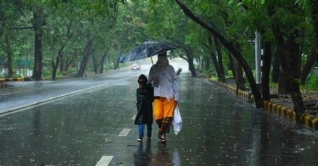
pixel 151 60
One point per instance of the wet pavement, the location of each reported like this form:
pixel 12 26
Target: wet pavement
pixel 95 127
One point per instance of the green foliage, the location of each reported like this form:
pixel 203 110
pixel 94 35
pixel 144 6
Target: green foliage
pixel 47 73
pixel 209 73
pixel 229 73
pixel 312 83
pixel 273 85
pixel 119 25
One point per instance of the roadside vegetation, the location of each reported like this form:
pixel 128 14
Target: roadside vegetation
pixel 50 38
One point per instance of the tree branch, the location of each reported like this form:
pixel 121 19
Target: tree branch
pixel 230 47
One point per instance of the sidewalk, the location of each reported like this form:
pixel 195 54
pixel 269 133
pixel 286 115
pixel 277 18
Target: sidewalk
pixel 282 106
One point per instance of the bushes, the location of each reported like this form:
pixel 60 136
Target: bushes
pixel 312 83
pixel 209 73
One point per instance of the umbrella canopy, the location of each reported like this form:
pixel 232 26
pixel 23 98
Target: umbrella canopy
pixel 147 49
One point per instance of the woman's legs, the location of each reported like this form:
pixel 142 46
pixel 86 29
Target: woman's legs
pixel 163 112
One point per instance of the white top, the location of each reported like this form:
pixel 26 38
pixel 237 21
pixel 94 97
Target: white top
pixel 168 84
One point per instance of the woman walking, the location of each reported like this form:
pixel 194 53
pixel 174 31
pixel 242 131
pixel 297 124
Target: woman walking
pixel 166 93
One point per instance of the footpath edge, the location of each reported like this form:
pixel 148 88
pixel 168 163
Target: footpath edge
pixel 308 120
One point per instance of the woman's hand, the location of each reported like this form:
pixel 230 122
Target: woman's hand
pixel 155 81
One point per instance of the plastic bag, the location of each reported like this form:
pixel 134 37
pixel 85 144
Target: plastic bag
pixel 177 121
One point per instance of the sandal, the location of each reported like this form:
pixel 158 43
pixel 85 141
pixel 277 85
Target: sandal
pixel 163 138
pixel 159 135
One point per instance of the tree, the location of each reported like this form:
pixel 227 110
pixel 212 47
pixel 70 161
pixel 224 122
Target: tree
pixel 9 14
pixel 231 48
pixel 37 22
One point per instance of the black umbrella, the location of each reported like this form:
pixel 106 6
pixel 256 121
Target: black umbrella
pixel 147 49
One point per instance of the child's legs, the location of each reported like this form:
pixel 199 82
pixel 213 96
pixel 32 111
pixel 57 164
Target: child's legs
pixel 141 131
pixel 149 129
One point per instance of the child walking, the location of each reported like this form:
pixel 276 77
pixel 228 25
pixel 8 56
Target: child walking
pixel 144 95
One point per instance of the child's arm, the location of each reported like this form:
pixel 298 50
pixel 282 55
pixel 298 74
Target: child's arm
pixel 150 92
pixel 137 95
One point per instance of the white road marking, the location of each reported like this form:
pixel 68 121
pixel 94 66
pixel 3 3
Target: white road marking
pixel 124 132
pixel 104 161
pixel 133 118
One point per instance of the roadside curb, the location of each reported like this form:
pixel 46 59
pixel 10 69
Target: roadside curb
pixel 281 110
pixel 21 79
pixel 4 80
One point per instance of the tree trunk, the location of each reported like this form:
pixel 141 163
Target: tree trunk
pixel 282 78
pixel 116 64
pixel 192 68
pixel 95 65
pixel 309 64
pixel 231 65
pixel 86 55
pixel 290 58
pixel 276 68
pixel 213 57
pixel 266 70
pixel 71 61
pixel 56 64
pixel 189 56
pixel 54 69
pixel 9 54
pixel 38 21
pixel 221 75
pixel 59 56
pixel 206 63
pixel 229 45
pixel 282 82
pixel 240 82
pixel 239 79
pixel 101 64
pixel 62 64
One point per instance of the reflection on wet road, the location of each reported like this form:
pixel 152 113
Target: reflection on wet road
pixel 96 128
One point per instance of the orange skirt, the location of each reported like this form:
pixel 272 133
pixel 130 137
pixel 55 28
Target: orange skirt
pixel 164 108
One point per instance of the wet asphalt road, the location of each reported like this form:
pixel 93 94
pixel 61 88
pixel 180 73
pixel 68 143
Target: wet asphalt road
pixel 95 126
